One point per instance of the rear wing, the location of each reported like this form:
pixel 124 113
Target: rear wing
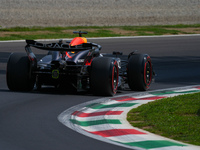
pixel 61 46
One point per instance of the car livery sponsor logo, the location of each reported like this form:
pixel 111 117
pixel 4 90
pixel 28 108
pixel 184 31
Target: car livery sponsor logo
pixel 81 60
pixel 55 74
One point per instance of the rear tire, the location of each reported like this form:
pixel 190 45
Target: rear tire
pixel 19 73
pixel 139 71
pixel 104 76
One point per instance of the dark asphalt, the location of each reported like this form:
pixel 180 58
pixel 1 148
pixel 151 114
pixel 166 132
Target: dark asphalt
pixel 28 121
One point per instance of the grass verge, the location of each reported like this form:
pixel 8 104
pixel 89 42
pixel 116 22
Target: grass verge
pixel 20 33
pixel 177 118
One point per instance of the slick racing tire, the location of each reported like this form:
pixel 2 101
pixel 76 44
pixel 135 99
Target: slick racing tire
pixel 19 73
pixel 104 76
pixel 139 71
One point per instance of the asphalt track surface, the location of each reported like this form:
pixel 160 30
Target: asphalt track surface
pixel 28 121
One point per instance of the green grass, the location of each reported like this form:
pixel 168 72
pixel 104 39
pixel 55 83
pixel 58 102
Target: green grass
pixel 20 33
pixel 177 118
pixel 152 30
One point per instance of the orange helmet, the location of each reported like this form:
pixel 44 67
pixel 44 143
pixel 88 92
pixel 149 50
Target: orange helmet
pixel 78 41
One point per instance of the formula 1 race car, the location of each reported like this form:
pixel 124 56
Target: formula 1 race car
pixel 78 64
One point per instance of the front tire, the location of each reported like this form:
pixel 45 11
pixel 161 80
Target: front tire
pixel 104 76
pixel 19 73
pixel 139 71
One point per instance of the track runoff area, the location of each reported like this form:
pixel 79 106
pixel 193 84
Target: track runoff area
pixel 105 119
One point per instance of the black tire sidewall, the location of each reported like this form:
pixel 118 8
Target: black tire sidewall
pixel 19 73
pixel 101 76
pixel 136 72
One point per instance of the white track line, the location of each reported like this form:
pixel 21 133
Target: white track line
pixel 102 38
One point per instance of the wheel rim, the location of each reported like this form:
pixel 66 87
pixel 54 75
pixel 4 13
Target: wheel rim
pixel 114 79
pixel 147 73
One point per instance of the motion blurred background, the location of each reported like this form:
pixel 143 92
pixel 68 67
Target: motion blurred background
pixel 98 12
